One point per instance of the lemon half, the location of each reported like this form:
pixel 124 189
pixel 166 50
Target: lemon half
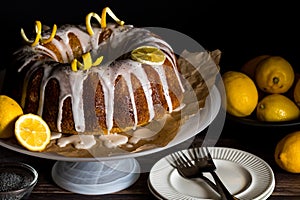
pixel 32 132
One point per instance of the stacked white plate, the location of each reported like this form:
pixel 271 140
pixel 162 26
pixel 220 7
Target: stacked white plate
pixel 244 174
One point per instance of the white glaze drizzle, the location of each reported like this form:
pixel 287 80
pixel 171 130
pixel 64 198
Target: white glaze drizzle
pixel 113 140
pixel 141 133
pixel 77 103
pixel 163 77
pixel 78 141
pixel 122 40
pixel 55 135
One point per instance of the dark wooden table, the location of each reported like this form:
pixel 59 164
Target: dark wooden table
pixel 260 141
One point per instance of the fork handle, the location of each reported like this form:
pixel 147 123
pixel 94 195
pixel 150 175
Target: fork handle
pixel 225 194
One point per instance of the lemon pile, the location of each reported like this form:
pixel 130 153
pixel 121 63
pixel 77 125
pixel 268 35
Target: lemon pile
pixel 30 130
pixel 266 86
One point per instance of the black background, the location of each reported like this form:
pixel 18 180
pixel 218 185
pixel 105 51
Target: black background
pixel 240 29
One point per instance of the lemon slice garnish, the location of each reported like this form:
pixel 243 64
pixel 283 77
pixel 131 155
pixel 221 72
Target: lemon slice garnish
pixel 32 132
pixel 148 55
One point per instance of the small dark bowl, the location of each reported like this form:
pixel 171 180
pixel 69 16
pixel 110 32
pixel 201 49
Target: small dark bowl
pixel 17 180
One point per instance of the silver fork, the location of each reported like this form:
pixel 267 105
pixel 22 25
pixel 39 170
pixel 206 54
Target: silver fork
pixel 204 161
pixel 187 169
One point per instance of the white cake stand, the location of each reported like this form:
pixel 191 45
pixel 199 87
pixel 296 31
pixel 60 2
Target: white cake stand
pixel 103 175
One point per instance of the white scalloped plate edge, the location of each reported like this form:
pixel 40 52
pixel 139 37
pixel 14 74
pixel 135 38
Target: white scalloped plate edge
pixel 165 180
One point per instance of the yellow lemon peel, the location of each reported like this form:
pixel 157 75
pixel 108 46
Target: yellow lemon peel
pixel 53 33
pixel 101 20
pixel 98 61
pixel 112 15
pixel 38 37
pixel 87 62
pixel 88 22
pixel 74 64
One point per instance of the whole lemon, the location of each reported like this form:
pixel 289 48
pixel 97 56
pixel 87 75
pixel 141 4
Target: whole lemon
pixel 277 107
pixel 250 66
pixel 274 74
pixel 241 93
pixel 10 110
pixel 296 91
pixel 287 152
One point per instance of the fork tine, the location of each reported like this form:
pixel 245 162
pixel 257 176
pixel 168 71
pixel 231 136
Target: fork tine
pixel 191 153
pixel 194 152
pixel 208 153
pixel 187 167
pixel 173 161
pixel 184 159
pixel 188 160
pixel 179 160
pixel 203 152
pixel 209 157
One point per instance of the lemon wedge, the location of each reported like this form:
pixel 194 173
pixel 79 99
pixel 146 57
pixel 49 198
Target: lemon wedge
pixel 148 55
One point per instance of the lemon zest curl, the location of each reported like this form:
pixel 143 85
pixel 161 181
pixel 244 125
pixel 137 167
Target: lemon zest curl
pixel 38 37
pixel 88 22
pixel 101 20
pixel 87 62
pixel 112 15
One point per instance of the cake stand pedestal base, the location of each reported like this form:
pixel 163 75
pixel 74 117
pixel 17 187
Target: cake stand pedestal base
pixel 96 178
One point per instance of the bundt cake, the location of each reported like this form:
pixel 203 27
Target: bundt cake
pixel 97 79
